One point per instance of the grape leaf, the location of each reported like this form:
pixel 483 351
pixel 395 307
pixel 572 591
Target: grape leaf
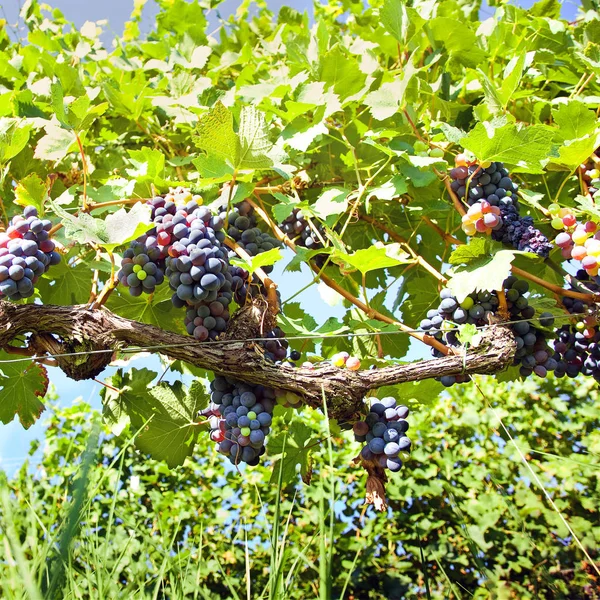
pixel 256 151
pixel 216 136
pixel 67 283
pixel 476 248
pixel 525 147
pixel 341 73
pixel 284 206
pixel 333 201
pixel 483 274
pixel 126 388
pixel 296 441
pixel 31 191
pixel 116 229
pixel 378 256
pixel 154 309
pixel 56 144
pixel 14 135
pixel 260 260
pixel 574 120
pixel 400 20
pixel 165 414
pixel 22 386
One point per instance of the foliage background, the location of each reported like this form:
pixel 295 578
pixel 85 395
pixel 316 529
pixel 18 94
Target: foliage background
pixel 467 518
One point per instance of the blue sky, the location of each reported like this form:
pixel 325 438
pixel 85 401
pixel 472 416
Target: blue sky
pixel 14 442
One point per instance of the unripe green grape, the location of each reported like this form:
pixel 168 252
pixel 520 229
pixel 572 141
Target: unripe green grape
pixel 554 209
pixel 467 303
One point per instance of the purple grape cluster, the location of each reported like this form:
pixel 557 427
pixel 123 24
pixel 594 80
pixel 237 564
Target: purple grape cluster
pixel 208 320
pixel 493 184
pixel 578 343
pixel 241 226
pixel 240 417
pixel 26 253
pixel 276 346
pixel 299 230
pixel 519 232
pixel 185 247
pixel 384 431
pixel 141 269
pixel 199 270
pixel 533 354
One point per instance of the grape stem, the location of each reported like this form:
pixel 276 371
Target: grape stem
pixel 400 240
pixel 329 282
pixel 269 284
pixel 588 298
pixel 458 205
pixel 502 305
pixel 85 170
pixel 109 286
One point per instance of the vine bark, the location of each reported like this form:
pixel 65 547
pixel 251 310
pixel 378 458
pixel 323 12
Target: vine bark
pixel 83 342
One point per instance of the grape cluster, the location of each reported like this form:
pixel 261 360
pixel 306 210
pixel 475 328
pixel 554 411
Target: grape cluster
pixel 240 417
pixel 492 197
pixel 207 320
pixel 185 247
pixel 241 226
pixel 276 346
pixel 580 242
pixel 578 343
pixel 533 354
pixel 141 269
pixel 26 253
pixel 299 230
pixel 384 431
pixel 591 175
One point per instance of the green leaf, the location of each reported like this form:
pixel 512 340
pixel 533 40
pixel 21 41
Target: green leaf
pixel 31 191
pixel 400 20
pixel 476 248
pixel 284 207
pixel 256 151
pixel 216 136
pixel 260 260
pixel 466 332
pixel 394 188
pixel 148 163
pixel 127 387
pixel 165 413
pixel 587 206
pixel 56 144
pixel 14 135
pixel 154 309
pixel 390 97
pixel 525 147
pixel 483 274
pixel 333 201
pixel 115 230
pixel 67 283
pixel 171 416
pixel 22 386
pixel 304 256
pixel 378 256
pixel 297 447
pixel 511 77
pixel 213 167
pixel 341 73
pixel 58 105
pixel 459 40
